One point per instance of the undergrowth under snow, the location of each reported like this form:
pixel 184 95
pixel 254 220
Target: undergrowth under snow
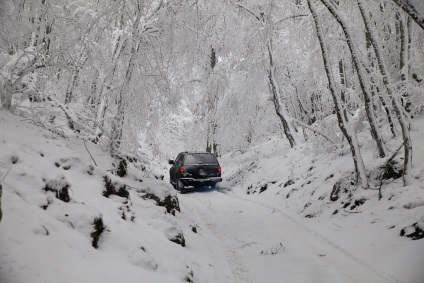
pixel 68 218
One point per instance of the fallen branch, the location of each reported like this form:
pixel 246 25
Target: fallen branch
pixel 73 123
pixel 314 130
pixel 352 211
pixel 54 130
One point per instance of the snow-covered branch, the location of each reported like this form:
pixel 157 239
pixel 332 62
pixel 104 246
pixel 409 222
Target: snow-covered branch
pixel 306 126
pixel 415 9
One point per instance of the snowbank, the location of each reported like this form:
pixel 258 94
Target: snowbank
pixel 67 220
pixel 319 187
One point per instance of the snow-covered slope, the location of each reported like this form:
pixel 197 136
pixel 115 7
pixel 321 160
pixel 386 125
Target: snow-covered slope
pixel 55 212
pixel 278 216
pixel 308 183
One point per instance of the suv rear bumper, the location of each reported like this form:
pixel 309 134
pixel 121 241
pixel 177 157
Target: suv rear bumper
pixel 193 182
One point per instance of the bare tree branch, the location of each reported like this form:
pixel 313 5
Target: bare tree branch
pixel 290 17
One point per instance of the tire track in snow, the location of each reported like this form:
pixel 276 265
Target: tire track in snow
pixel 356 270
pixel 240 272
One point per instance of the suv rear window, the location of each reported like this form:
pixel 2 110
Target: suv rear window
pixel 197 158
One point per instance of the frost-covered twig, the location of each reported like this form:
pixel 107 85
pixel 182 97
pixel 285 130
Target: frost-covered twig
pixel 90 153
pixel 291 175
pixel 314 130
pixel 248 10
pixel 291 17
pixel 5 175
pixel 275 250
pixel 97 123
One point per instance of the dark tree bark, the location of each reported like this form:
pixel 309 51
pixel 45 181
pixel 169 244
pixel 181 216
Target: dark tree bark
pixel 212 105
pixel 343 83
pixel 74 79
pixel 288 131
pixel 343 124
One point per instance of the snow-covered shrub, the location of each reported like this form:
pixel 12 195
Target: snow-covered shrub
pixel 121 169
pixel 114 188
pixel 99 227
pixel 60 187
pixel 414 231
pixel 177 237
pixel 343 185
pixel 169 202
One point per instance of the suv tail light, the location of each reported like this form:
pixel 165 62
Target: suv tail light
pixel 182 170
pixel 219 169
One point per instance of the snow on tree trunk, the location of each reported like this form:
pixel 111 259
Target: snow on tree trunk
pixel 369 108
pixel 278 105
pixel 211 108
pixel 280 109
pixel 415 11
pixel 387 80
pixel 74 79
pixel 343 124
pixel 118 122
pixel 6 98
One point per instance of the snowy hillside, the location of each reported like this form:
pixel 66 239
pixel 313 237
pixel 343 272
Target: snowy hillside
pixel 66 219
pixel 316 186
pixel 59 226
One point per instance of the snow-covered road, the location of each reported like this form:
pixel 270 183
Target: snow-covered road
pixel 263 244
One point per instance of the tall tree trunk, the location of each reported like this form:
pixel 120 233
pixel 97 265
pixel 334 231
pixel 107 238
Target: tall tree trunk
pixel 212 105
pixel 343 83
pixel 118 122
pixel 69 95
pixel 278 105
pixel 404 58
pixel 272 81
pixel 369 108
pixel 387 80
pixel 375 91
pixel 5 96
pixel 346 129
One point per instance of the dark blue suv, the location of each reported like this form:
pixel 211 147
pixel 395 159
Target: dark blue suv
pixel 194 169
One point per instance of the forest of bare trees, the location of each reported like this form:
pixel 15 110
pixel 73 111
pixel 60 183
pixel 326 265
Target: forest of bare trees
pixel 144 78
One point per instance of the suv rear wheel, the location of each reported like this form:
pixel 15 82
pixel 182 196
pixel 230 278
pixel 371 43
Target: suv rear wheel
pixel 179 186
